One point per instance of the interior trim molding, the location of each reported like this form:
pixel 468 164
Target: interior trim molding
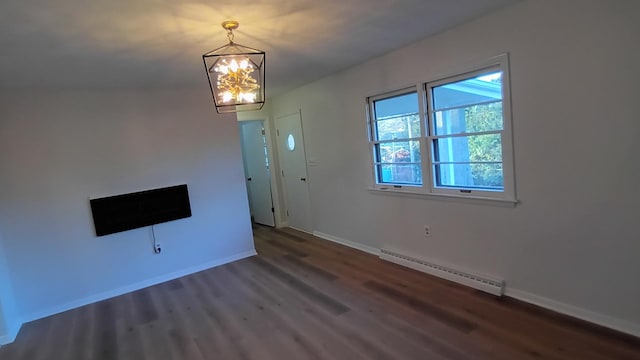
pixel 366 248
pixel 576 312
pixel 137 286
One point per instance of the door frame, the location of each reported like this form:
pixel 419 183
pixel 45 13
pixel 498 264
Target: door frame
pixel 259 126
pixel 273 168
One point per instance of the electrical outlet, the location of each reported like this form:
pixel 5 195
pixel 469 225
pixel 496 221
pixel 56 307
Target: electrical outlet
pixel 427 230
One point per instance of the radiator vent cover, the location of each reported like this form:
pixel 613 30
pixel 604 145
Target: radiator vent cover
pixel 480 282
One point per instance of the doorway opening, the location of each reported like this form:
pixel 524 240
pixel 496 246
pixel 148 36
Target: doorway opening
pixel 257 169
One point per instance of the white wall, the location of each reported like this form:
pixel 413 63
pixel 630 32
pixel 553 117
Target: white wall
pixel 9 320
pixel 572 243
pixel 58 149
pixel 4 281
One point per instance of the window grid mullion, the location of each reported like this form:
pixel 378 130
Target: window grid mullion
pixel 468 105
pixel 375 142
pixel 396 163
pixel 394 117
pixel 465 134
pixel 430 127
pixel 465 162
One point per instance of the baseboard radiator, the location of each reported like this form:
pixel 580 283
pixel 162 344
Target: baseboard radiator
pixel 489 285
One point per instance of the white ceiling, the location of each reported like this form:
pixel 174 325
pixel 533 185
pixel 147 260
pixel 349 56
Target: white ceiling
pixel 154 43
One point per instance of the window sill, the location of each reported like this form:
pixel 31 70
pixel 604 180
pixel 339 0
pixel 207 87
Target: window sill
pixel 477 200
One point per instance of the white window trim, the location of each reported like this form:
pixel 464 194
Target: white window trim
pixel 372 142
pixel 428 188
pixel 477 200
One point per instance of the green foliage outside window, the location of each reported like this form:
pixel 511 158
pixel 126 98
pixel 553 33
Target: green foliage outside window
pixel 480 118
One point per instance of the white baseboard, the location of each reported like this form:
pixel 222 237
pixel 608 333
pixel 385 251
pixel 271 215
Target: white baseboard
pixel 282 224
pixel 11 334
pixel 301 230
pixel 136 286
pixel 574 311
pixel 351 244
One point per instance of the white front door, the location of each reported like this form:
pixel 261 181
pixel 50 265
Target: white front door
pixel 256 169
pixel 294 171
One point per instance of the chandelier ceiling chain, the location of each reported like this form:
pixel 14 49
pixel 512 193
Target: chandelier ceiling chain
pixel 230 25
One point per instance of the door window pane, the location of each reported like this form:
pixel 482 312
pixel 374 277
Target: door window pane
pixel 291 142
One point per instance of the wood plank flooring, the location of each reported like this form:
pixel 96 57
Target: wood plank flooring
pixel 307 298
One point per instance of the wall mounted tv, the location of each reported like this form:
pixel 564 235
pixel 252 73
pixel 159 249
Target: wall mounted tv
pixel 139 209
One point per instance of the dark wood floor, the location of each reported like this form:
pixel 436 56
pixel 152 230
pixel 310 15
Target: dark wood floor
pixel 306 298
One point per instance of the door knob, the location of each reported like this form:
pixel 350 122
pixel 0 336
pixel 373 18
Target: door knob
pixel 248 179
pixel 303 179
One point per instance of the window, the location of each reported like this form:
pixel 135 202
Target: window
pixel 396 139
pixel 462 126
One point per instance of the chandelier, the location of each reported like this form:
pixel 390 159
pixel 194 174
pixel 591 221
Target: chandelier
pixel 236 75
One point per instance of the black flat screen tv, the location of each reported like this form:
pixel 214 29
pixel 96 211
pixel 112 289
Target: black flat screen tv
pixel 139 209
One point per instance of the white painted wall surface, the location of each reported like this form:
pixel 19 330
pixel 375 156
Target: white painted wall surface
pixel 4 295
pixel 572 243
pixel 9 320
pixel 59 149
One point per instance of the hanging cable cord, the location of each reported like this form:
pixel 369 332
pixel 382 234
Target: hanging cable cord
pixel 156 248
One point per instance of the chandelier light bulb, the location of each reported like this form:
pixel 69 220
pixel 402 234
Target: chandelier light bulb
pixel 234 65
pixel 235 81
